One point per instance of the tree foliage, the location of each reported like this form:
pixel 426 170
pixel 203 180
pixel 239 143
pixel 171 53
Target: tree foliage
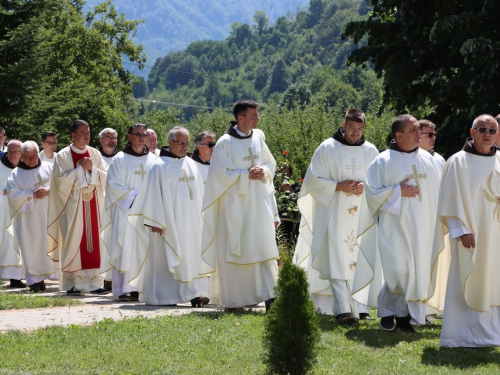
pixel 265 61
pixel 64 65
pixel 438 55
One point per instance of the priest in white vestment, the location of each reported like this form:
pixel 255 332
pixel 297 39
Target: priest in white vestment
pixel 331 201
pixel 49 145
pixel 28 189
pixel 108 138
pixel 152 142
pixel 401 188
pixel 469 211
pixel 126 173
pixel 204 144
pixel 76 203
pixel 239 231
pixel 166 266
pixel 428 137
pixel 10 255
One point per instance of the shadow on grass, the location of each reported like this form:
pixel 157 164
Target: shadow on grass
pixel 460 358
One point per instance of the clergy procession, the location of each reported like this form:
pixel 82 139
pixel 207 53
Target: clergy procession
pixel 400 231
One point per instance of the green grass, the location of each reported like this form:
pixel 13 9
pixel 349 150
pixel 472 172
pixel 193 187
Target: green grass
pixel 218 343
pixel 13 300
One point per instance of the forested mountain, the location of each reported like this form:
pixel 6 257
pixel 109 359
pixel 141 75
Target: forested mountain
pixel 170 25
pixel 300 60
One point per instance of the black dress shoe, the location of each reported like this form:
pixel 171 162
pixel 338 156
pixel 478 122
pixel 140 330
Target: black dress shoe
pixel 387 323
pixel 364 316
pixel 34 288
pixel 404 324
pixel 134 296
pixel 108 285
pixel 17 284
pixel 269 304
pixel 73 292
pixel 346 319
pixel 100 291
pixel 42 285
pixel 124 297
pixel 200 301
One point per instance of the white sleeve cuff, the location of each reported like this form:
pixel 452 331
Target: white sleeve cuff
pixel 456 227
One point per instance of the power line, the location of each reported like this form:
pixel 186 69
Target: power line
pixel 179 104
pixel 204 75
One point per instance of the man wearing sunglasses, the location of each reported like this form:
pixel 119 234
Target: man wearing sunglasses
pixel 204 144
pixel 428 137
pixel 127 172
pixel 469 212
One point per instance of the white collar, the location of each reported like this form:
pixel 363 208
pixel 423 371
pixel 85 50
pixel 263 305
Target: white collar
pixel 77 150
pixel 241 133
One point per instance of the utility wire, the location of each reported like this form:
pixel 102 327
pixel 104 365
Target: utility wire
pixel 204 75
pixel 178 104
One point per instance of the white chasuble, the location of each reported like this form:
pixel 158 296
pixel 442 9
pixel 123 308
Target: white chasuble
pixel 126 175
pixel 76 203
pixel 329 223
pixel 168 268
pixel 470 193
pixel 405 225
pixel 29 225
pixel 10 256
pixel 238 233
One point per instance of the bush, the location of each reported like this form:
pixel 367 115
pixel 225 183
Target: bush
pixel 291 328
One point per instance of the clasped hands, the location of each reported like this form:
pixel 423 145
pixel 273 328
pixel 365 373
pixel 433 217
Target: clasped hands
pixel 40 192
pixel 86 163
pixel 350 186
pixel 256 173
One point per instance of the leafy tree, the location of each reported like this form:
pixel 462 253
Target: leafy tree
pixel 260 21
pixel 296 95
pixel 439 54
pixel 76 71
pixel 279 79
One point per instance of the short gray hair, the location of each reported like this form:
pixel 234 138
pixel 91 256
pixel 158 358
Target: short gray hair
pixel 103 132
pixel 152 131
pixel 29 146
pixel 172 134
pixel 200 136
pixel 12 142
pixel 490 117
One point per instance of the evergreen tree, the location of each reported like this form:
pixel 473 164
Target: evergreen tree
pixel 291 328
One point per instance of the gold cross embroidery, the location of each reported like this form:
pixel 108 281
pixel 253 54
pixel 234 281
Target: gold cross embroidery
pixel 141 172
pixel 353 167
pixel 251 157
pixel 416 176
pixel 187 179
pixel 40 182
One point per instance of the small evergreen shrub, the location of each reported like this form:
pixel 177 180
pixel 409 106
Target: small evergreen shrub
pixel 291 327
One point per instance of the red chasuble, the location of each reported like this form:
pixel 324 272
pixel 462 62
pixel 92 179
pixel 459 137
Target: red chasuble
pixel 90 252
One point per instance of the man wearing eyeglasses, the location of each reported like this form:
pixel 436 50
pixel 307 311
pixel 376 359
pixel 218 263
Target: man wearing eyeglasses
pixel 49 145
pixel 428 140
pixel 108 138
pixel 152 142
pixel 127 172
pixel 401 187
pixel 331 201
pixel 469 213
pixel 204 144
pixel 167 228
pixel 10 255
pixel 28 189
pixel 239 233
pixel 76 201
